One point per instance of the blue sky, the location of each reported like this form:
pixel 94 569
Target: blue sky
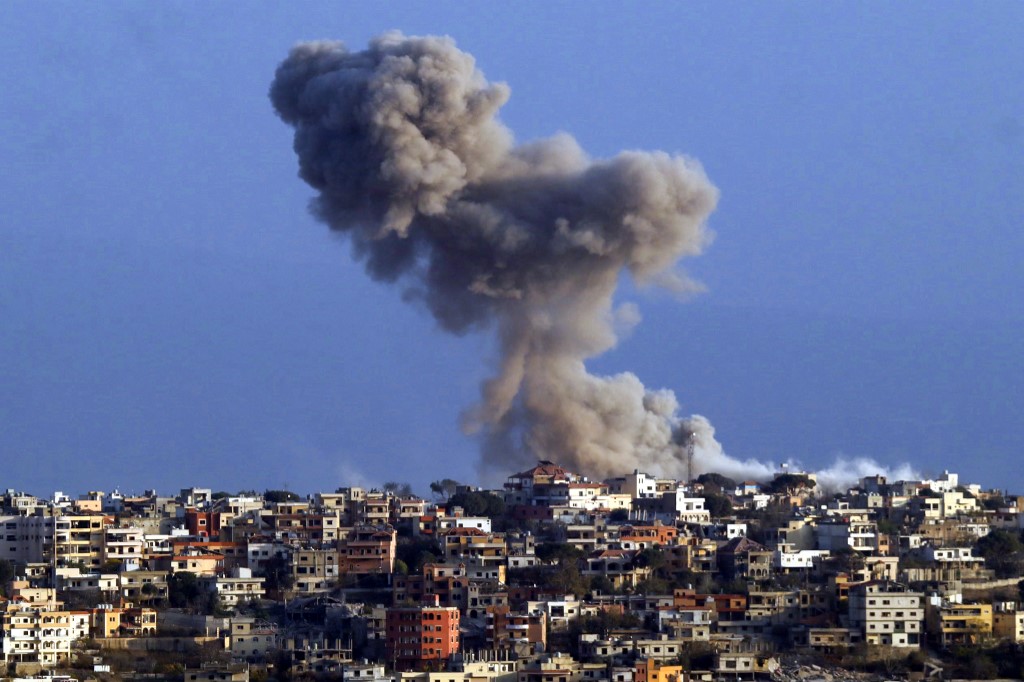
pixel 171 315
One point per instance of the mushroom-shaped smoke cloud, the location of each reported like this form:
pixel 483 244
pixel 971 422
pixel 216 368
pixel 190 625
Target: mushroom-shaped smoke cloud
pixel 403 145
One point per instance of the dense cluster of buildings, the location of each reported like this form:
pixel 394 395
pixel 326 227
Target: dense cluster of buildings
pixel 552 578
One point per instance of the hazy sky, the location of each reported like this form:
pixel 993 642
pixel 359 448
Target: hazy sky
pixel 171 315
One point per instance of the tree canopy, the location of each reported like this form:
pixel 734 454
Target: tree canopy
pixel 478 503
pixel 275 496
pixel 716 482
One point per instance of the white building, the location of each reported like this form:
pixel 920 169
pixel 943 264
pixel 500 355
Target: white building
pixel 886 615
pixel 36 635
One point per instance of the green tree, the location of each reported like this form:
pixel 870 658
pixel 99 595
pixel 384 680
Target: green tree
pixel 717 505
pixel 1002 551
pixel 444 488
pixel 558 552
pixel 567 578
pixel 788 483
pixel 6 574
pixel 184 591
pixel 618 516
pixel 276 496
pixel 278 573
pixel 716 483
pixel 478 503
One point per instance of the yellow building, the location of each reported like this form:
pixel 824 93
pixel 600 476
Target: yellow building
pixel 79 540
pixel 651 670
pixel 1008 624
pixel 952 624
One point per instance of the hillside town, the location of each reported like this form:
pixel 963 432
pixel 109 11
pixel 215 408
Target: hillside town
pixel 552 578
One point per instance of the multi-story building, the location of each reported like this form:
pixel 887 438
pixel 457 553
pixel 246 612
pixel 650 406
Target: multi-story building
pixel 26 539
pixel 691 624
pixel 143 587
pixel 516 631
pixel 314 569
pixel 743 558
pixel 641 537
pixel 124 545
pixel 236 588
pixel 419 637
pixel 887 614
pixel 251 639
pixel 618 566
pixel 854 532
pixel 448 583
pixel 79 539
pixel 951 624
pixel 470 545
pixel 1008 622
pixel 132 621
pixel 368 550
pixel 35 634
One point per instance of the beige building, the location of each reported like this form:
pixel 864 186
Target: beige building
pixel 251 638
pixel 79 540
pixel 314 570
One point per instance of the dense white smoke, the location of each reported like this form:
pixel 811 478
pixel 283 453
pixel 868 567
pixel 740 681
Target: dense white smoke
pixel 403 145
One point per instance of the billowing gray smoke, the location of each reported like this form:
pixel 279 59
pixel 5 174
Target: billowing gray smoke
pixel 403 145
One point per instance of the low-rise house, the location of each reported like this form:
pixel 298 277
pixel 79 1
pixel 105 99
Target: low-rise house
pixel 744 665
pixel 826 639
pixel 691 624
pixel 74 580
pixel 315 652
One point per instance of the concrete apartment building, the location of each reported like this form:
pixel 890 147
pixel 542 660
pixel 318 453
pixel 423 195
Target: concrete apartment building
pixel 421 636
pixel 26 539
pixel 1008 622
pixel 886 614
pixel 516 631
pixel 952 624
pixel 35 634
pixel 314 569
pixel 79 539
pixel 368 550
pixel 236 588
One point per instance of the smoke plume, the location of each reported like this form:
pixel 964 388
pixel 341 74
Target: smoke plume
pixel 404 147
